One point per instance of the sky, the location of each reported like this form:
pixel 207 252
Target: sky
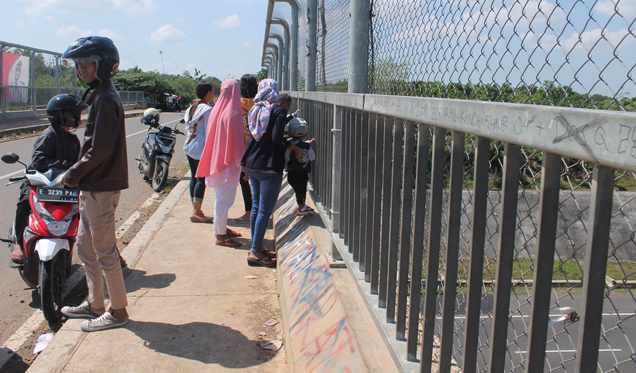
pixel 220 38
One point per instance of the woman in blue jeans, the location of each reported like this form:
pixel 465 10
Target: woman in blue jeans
pixel 196 129
pixel 264 161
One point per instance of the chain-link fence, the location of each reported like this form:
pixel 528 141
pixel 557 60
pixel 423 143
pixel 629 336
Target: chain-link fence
pixel 558 53
pixel 501 236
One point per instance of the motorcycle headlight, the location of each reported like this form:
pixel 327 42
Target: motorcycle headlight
pixel 165 149
pixel 55 227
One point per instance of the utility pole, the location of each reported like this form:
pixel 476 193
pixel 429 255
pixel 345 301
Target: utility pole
pixel 164 68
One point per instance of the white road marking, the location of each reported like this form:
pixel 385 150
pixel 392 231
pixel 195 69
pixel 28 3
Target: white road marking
pixel 528 316
pixel 127 136
pixel 572 351
pixel 11 174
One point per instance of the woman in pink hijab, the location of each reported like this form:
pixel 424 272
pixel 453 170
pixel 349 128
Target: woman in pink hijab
pixel 221 158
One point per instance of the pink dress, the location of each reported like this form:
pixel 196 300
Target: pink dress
pixel 225 140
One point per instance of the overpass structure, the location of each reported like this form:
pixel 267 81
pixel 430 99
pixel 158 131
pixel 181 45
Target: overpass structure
pixel 477 173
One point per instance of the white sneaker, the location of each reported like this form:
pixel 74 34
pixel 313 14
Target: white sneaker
pixel 82 311
pixel 105 321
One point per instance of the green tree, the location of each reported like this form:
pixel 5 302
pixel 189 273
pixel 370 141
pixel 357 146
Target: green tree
pixel 262 74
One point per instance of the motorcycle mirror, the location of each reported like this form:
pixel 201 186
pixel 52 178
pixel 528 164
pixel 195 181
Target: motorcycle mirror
pixel 182 120
pixel 10 158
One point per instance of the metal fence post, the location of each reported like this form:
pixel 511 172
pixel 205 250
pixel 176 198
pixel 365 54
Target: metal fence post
pixel 336 181
pixel 288 69
pixel 359 46
pixel 281 51
pixel 32 80
pixel 292 65
pixel 310 65
pixel 3 102
pixel 57 74
pixel 595 268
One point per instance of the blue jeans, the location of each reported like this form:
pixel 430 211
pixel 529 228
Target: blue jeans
pixel 265 190
pixel 197 184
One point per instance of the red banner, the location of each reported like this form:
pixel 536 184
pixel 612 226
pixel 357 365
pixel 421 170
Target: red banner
pixel 15 74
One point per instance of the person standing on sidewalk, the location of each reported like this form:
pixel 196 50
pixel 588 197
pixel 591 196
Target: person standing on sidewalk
pixel 264 160
pixel 249 88
pixel 100 174
pixel 221 159
pixel 196 128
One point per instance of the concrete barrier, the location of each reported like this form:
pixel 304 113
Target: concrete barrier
pixel 319 337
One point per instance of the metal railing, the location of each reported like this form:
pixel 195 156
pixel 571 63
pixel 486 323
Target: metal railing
pixel 38 97
pixel 492 213
pixel 507 218
pixel 34 76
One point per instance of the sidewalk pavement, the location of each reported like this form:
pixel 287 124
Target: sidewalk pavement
pixel 194 306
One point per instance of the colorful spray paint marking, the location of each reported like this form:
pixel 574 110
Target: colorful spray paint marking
pixel 321 339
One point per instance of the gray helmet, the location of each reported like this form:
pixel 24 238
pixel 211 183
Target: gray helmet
pixel 297 127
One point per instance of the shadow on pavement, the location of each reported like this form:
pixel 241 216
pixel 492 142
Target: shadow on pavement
pixel 204 342
pixel 137 279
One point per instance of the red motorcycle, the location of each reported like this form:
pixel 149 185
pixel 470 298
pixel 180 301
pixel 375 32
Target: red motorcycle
pixel 49 238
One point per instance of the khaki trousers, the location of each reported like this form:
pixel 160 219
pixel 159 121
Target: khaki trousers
pixel 97 248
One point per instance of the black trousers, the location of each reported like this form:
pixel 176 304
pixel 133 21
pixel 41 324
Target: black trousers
pixel 247 192
pixel 298 181
pixel 22 212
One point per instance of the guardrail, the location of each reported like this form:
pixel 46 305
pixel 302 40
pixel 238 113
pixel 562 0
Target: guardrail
pixel 33 98
pixel 490 236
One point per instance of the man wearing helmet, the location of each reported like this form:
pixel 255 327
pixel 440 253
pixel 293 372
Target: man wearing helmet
pixel 56 147
pixel 100 174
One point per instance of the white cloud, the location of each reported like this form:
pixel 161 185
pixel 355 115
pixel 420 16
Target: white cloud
pixel 166 34
pixel 72 32
pixel 130 7
pixel 247 44
pixel 110 34
pixel 19 23
pixel 593 39
pixel 626 8
pixel 232 21
pixel 190 66
pixel 49 19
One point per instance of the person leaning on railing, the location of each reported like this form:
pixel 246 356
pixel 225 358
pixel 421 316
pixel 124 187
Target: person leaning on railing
pixel 264 161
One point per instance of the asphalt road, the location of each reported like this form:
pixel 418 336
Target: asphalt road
pixel 615 350
pixel 17 302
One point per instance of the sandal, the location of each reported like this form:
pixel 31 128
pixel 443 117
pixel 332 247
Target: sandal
pixel 228 242
pixel 231 233
pixel 14 264
pixel 201 219
pixel 269 253
pixel 240 220
pixel 264 262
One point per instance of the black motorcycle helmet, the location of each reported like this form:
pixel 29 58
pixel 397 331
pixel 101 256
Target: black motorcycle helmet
pixel 150 117
pixel 98 48
pixel 65 110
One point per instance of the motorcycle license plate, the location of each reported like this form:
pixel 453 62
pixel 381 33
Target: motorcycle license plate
pixel 49 194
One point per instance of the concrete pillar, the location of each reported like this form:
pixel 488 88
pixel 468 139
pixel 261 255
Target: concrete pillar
pixel 310 65
pixel 359 46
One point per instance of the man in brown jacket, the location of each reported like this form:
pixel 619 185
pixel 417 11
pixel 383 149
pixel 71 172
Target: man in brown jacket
pixel 100 174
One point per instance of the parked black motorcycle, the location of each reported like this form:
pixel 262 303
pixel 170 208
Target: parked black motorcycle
pixel 157 150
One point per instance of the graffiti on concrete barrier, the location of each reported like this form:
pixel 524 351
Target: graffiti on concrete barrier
pixel 322 339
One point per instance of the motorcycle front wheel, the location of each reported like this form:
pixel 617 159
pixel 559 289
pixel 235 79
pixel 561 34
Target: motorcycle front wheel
pixel 160 175
pixel 30 270
pixel 52 285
